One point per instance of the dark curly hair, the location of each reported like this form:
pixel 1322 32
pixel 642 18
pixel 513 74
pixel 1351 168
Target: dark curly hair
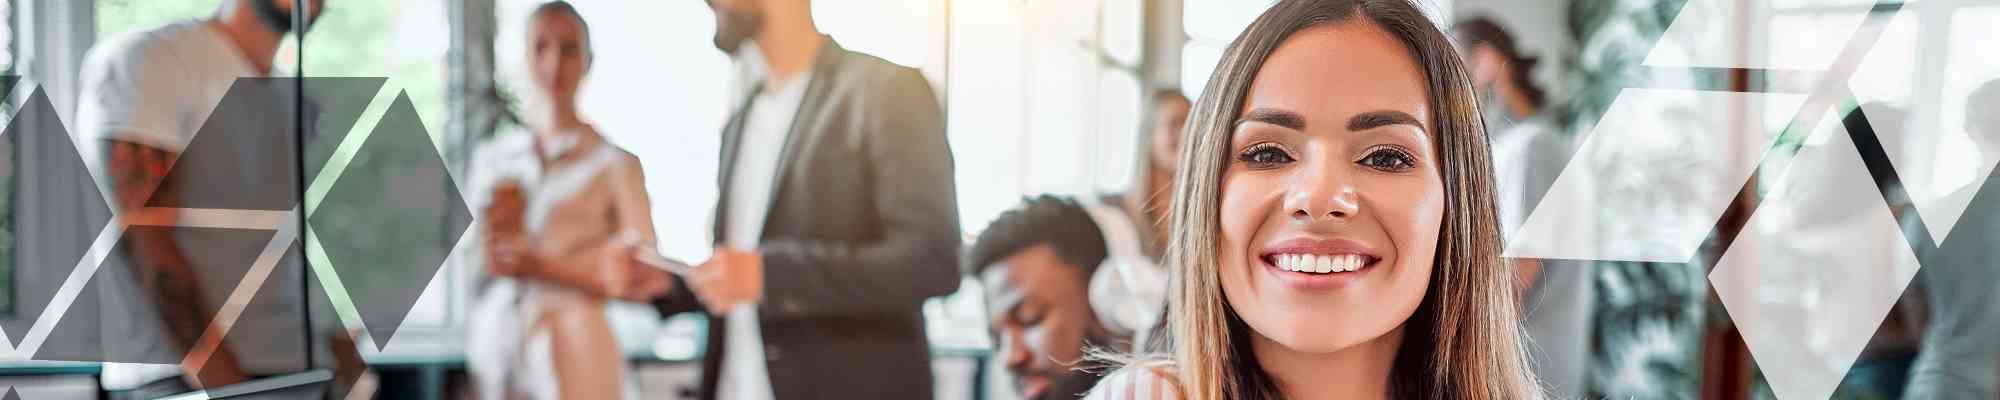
pixel 1058 222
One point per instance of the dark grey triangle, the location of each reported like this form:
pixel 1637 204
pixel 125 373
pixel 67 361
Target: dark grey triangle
pixel 270 303
pixel 57 210
pixel 245 156
pixel 79 335
pixel 333 106
pixel 221 255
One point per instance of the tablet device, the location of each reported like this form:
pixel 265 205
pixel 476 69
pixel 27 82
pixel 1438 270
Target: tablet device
pixel 652 257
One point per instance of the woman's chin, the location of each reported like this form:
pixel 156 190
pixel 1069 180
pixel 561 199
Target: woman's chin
pixel 1327 328
pixel 1318 338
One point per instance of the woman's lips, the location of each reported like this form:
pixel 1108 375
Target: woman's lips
pixel 1316 264
pixel 1319 263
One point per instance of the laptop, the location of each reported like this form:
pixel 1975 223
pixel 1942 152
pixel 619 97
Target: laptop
pixel 308 385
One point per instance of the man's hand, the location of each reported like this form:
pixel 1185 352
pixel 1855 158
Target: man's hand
pixel 505 239
pixel 509 256
pixel 220 370
pixel 622 276
pixel 729 278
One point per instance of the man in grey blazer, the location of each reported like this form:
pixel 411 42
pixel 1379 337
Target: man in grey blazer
pixel 837 219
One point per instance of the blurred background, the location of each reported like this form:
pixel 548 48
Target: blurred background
pixel 1055 97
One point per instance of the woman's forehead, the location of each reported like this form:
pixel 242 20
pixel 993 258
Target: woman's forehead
pixel 1331 73
pixel 555 22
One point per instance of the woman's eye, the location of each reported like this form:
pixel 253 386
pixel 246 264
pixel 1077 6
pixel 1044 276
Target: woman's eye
pixel 1389 160
pixel 1264 156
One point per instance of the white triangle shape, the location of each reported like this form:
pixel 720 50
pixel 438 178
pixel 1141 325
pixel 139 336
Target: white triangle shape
pixel 1703 30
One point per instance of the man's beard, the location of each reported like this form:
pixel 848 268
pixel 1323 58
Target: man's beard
pixel 278 19
pixel 732 27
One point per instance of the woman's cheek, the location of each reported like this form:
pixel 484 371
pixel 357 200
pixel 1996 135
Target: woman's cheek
pixel 1413 211
pixel 1245 207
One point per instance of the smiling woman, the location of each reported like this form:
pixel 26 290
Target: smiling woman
pixel 1334 229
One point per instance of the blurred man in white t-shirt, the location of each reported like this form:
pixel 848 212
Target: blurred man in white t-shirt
pixel 144 97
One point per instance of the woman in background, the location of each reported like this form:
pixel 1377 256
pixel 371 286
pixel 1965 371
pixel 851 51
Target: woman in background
pixel 563 219
pixel 1333 230
pixel 1529 152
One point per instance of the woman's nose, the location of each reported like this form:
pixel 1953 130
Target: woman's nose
pixel 1323 194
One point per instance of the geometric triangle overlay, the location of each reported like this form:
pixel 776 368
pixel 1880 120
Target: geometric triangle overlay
pixel 47 245
pixel 245 156
pixel 390 220
pixel 1816 269
pixel 243 162
pixel 1652 177
pixel 333 107
pixel 1703 27
pixel 135 335
pixel 1884 83
pixel 272 323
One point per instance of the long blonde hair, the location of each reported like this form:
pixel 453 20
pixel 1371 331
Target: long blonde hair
pixel 1463 341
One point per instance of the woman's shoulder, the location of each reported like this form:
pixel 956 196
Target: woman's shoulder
pixel 617 154
pixel 1144 380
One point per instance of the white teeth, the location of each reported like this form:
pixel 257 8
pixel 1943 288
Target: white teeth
pixel 1319 264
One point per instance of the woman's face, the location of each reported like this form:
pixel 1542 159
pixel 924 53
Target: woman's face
pixel 557 57
pixel 1331 201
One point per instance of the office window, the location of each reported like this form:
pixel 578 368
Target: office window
pixel 1211 25
pixel 1045 97
pixel 1970 63
pixel 1927 61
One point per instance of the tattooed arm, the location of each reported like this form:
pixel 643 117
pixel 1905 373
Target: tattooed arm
pixel 157 263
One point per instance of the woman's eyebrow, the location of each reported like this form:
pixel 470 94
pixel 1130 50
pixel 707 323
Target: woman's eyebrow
pixel 1283 118
pixel 1377 119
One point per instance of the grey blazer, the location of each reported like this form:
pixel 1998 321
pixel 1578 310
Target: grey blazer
pixel 862 228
